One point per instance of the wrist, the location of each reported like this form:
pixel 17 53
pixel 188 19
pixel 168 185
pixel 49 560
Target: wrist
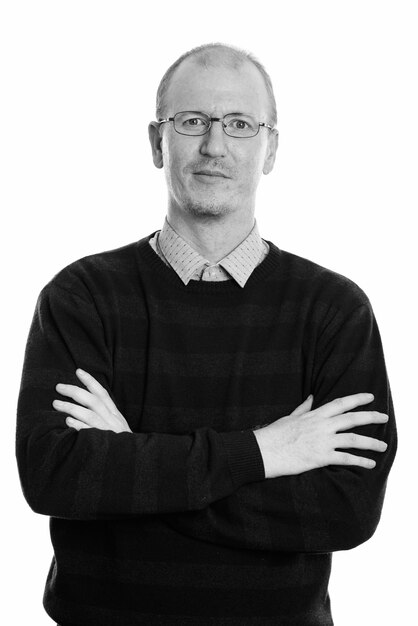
pixel 264 443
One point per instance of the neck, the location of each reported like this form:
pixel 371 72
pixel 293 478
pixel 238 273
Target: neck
pixel 214 237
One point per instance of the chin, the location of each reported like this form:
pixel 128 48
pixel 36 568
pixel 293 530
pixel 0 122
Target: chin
pixel 208 209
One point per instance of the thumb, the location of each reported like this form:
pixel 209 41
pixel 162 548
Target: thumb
pixel 305 407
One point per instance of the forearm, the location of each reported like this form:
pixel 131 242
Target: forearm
pixel 322 510
pixel 97 474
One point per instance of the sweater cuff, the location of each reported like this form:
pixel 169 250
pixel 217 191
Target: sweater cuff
pixel 244 457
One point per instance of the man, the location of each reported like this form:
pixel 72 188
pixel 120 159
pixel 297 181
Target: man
pixel 205 417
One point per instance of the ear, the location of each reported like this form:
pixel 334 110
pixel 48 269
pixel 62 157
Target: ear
pixel 155 141
pixel 273 144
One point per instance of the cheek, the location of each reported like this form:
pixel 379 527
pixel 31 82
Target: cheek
pixel 175 160
pixel 251 169
pixel 172 163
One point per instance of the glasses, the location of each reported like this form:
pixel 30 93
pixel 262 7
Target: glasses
pixel 195 123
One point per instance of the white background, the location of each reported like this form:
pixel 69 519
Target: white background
pixel 78 81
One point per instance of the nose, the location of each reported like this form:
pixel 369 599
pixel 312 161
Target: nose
pixel 213 142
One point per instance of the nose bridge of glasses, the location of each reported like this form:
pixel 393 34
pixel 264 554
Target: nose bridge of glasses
pixel 221 120
pixel 214 140
pixel 211 127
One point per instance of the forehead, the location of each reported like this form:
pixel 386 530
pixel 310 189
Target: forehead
pixel 217 89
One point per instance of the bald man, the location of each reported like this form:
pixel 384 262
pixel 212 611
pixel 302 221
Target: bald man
pixel 204 416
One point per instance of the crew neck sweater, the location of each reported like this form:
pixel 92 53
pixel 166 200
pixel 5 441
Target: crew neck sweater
pixel 174 523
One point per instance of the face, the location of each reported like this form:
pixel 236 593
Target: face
pixel 214 174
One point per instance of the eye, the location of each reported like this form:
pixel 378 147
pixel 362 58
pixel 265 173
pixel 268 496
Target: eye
pixel 194 121
pixel 239 124
pixel 191 123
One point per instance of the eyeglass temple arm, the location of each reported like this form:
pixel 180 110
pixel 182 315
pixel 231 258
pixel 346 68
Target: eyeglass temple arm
pixel 266 125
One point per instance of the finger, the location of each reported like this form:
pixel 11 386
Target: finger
pixel 305 407
pixel 359 418
pixel 80 396
pixel 96 388
pixel 345 458
pixel 90 418
pixel 342 405
pixel 73 423
pixel 352 440
pixel 78 412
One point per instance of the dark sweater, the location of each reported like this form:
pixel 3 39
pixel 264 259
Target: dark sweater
pixel 175 524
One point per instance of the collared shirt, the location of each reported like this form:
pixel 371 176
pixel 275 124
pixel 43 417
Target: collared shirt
pixel 190 265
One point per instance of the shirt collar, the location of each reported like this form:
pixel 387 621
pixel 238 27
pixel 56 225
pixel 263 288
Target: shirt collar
pixel 187 262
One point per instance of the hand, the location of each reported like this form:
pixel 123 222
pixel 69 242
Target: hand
pixel 94 408
pixel 306 439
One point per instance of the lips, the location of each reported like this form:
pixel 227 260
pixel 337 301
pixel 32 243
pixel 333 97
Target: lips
pixel 211 173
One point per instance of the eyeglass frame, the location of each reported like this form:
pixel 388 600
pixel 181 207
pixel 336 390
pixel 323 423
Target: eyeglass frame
pixel 214 119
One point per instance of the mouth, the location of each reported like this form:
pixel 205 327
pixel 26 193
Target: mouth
pixel 213 173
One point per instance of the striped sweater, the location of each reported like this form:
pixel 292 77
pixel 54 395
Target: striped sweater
pixel 174 523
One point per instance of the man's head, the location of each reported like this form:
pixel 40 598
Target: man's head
pixel 216 80
pixel 212 54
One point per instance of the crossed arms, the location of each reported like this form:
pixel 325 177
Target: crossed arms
pixel 317 469
pixel 300 442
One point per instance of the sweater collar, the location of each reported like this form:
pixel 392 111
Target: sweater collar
pixel 190 264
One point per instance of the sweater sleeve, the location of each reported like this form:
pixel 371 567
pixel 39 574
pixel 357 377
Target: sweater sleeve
pixel 95 474
pixel 327 509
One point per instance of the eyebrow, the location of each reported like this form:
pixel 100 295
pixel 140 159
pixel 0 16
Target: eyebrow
pixel 234 113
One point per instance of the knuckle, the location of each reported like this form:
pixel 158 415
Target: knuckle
pixel 74 395
pixel 99 392
pixel 96 405
pixel 339 403
pixel 95 421
pixel 95 417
